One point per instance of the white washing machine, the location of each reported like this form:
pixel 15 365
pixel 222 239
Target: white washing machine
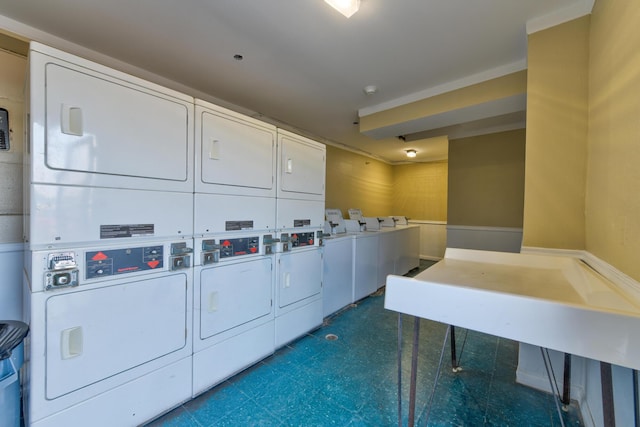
pixel 233 313
pixel 388 252
pixel 298 284
pixel 298 269
pixel 365 269
pixel 408 238
pixel 338 263
pixel 337 273
pixel 110 340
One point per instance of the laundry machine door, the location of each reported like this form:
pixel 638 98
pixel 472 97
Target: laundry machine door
pixel 94 126
pixel 300 276
pixel 301 167
pixel 234 294
pixel 95 334
pixel 236 154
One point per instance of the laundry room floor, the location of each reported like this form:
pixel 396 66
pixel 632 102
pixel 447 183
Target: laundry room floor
pixel 345 374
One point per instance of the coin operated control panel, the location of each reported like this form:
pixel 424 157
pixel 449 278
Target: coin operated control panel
pixel 180 256
pixel 214 251
pixel 301 239
pixel 62 271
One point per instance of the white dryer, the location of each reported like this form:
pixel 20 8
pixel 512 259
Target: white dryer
pixel 301 168
pixel 104 145
pixel 298 285
pixel 110 340
pixel 235 154
pixel 233 312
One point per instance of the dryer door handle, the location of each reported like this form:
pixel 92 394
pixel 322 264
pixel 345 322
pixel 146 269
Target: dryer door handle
pixel 71 120
pixel 71 342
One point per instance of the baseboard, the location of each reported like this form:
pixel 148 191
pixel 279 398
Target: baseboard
pixel 503 239
pixel 576 253
pixel 626 283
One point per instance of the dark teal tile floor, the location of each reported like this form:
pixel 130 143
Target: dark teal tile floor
pixel 352 381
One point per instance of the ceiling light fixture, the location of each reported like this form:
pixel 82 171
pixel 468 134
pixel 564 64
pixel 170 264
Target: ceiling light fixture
pixel 370 89
pixel 345 7
pixel 411 153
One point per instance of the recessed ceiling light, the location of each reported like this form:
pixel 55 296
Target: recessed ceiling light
pixel 370 89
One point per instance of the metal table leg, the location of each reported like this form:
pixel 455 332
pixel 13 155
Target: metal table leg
pixel 454 359
pixel 414 371
pixel 566 381
pixel 606 380
pixel 399 370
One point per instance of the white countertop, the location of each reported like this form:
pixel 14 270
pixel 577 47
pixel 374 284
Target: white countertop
pixel 555 302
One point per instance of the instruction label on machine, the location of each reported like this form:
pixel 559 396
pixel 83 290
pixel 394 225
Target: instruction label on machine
pixel 301 222
pixel 125 230
pixel 238 225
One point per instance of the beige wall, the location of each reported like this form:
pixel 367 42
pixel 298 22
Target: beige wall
pixel 12 74
pixel 486 180
pixel 490 90
pixel 613 180
pixel 420 190
pixel 556 137
pixel 355 181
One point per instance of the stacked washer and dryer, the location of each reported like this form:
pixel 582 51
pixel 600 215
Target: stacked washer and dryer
pixel 108 231
pixel 235 226
pixel 300 221
pixel 170 243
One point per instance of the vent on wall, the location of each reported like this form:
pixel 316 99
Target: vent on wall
pixel 4 129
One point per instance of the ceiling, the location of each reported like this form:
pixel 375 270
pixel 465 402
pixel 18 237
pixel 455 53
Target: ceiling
pixel 304 65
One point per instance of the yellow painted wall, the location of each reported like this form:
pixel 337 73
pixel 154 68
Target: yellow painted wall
pixel 556 149
pixel 613 180
pixel 355 181
pixel 490 90
pixel 420 190
pixel 486 180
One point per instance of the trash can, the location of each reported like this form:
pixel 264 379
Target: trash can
pixel 12 334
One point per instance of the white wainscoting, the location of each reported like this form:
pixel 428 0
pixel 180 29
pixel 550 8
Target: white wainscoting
pixel 503 239
pixel 433 239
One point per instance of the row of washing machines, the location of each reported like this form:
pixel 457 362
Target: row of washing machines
pixel 170 243
pixel 360 252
